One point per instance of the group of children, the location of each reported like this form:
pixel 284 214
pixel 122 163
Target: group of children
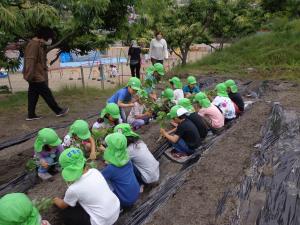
pixel 95 197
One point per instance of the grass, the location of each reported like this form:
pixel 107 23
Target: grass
pixel 65 96
pixel 273 55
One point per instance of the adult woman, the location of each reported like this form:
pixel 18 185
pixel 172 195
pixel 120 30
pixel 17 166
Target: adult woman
pixel 158 49
pixel 134 59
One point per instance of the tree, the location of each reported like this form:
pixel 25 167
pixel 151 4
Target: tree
pixel 80 26
pixel 188 24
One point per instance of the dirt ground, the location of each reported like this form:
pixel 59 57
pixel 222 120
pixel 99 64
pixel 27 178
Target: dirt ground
pixel 220 170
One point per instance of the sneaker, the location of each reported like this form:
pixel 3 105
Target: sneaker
pixel 45 176
pixel 63 112
pixel 33 118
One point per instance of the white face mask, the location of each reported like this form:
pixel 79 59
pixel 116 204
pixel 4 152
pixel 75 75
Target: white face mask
pixel 49 42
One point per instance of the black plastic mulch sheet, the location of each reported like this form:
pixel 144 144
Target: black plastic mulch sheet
pixel 274 178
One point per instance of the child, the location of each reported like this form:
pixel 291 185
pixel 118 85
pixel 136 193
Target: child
pixel 47 147
pixel 88 199
pixel 114 71
pixel 123 96
pixel 119 171
pixel 191 88
pixel 235 97
pixel 109 117
pixel 194 117
pixel 153 76
pixel 137 116
pixel 79 134
pixel 17 208
pixel 177 87
pixel 146 167
pixel 210 113
pixel 186 138
pixel 224 103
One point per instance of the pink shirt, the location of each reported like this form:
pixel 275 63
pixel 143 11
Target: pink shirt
pixel 214 114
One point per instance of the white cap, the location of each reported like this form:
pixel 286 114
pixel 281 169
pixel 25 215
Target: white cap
pixel 181 111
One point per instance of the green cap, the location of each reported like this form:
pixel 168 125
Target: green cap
pixel 232 85
pixel 176 111
pixel 159 68
pixel 134 83
pixel 17 208
pixel 199 96
pixel 191 80
pixel 111 109
pixel 205 103
pixel 72 162
pixel 81 129
pixel 186 103
pixel 125 128
pixel 222 90
pixel 168 93
pixel 142 93
pixel 46 136
pixel 176 82
pixel 116 151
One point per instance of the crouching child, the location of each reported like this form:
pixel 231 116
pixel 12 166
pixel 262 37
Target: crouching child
pixel 47 147
pixel 186 137
pixel 88 199
pixel 146 167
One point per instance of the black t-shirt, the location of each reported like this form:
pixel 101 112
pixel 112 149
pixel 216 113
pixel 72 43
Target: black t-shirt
pixel 189 133
pixel 135 54
pixel 238 100
pixel 199 123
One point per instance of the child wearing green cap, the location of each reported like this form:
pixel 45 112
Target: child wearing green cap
pixel 186 138
pixel 153 76
pixel 119 170
pixel 191 88
pixel 109 117
pixel 123 97
pixel 146 167
pixel 88 199
pixel 47 148
pixel 177 87
pixel 80 135
pixel 17 208
pixel 167 97
pixel 210 113
pixel 235 96
pixel 224 103
pixel 138 115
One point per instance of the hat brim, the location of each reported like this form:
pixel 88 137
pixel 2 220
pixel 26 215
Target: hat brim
pixel 57 143
pixel 85 136
pixel 135 88
pixel 160 73
pixel 222 94
pixel 38 145
pixel 73 173
pixel 194 82
pixel 115 116
pixel 234 89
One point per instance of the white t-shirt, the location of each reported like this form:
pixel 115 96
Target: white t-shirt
pixel 226 106
pixel 158 49
pixel 178 94
pixel 144 161
pixel 136 110
pixel 92 192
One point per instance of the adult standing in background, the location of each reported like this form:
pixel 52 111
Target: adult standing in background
pixel 158 49
pixel 35 72
pixel 134 59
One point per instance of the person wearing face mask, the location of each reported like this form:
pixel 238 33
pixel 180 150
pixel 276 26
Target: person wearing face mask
pixel 158 49
pixel 35 72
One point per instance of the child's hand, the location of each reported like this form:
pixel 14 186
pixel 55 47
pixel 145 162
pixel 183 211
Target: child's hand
pixel 93 156
pixel 162 131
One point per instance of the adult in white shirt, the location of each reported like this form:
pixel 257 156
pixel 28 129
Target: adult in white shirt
pixel 88 200
pixel 158 49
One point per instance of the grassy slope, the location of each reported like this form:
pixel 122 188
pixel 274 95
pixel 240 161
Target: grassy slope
pixel 274 55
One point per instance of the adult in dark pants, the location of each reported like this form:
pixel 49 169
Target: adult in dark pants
pixel 134 59
pixel 35 72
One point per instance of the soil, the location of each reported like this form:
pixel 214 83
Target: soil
pixel 219 171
